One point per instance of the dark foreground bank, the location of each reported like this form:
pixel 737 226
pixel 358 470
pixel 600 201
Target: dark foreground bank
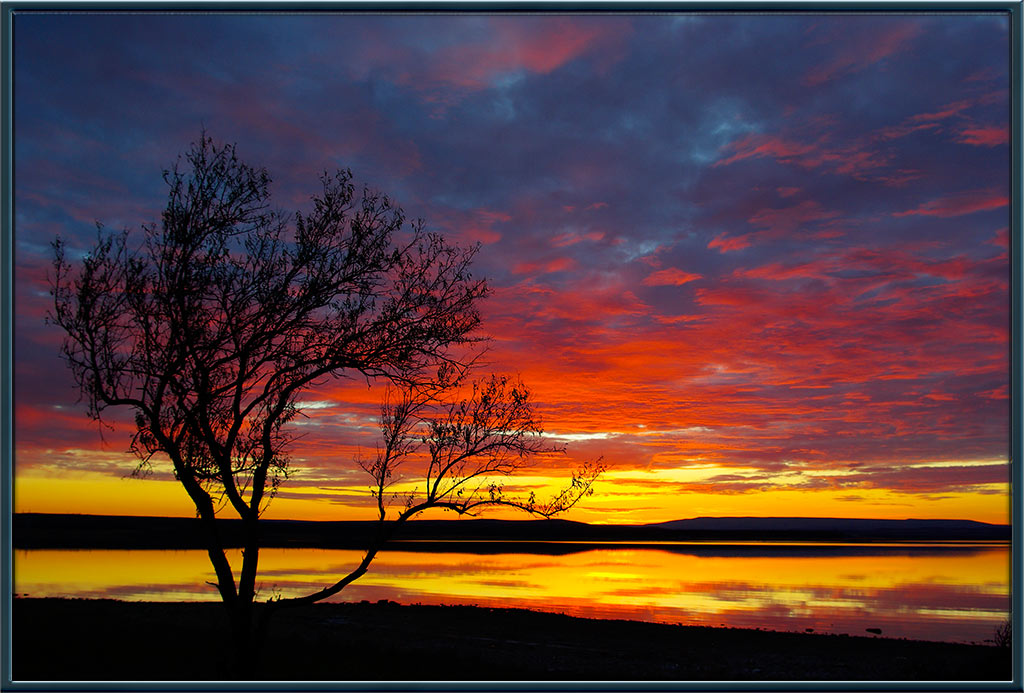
pixel 84 640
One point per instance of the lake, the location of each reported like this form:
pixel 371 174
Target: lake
pixel 954 592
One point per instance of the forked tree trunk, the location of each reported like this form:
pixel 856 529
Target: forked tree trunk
pixel 248 617
pixel 248 638
pixel 249 628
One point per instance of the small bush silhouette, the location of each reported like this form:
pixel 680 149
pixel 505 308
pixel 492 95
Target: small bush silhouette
pixel 1004 634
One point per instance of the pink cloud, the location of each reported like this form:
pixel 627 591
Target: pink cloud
pixel 472 225
pixel 807 216
pixel 789 219
pixel 726 243
pixel 1000 393
pixel 880 268
pixel 491 48
pixel 481 230
pixel 983 136
pixel 990 136
pixel 856 159
pixel 559 264
pixel 1002 238
pixel 520 43
pixel 897 178
pixel 480 234
pixel 864 51
pixel 958 205
pixel 857 162
pixel 572 238
pixel 898 131
pixel 671 276
pixel 986 74
pixel 489 216
pixel 545 46
pixel 777 271
pixel 945 112
pixel 757 146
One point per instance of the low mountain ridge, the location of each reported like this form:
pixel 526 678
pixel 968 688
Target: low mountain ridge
pixel 819 524
pixel 37 530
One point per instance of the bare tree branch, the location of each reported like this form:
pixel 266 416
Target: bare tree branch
pixel 468 446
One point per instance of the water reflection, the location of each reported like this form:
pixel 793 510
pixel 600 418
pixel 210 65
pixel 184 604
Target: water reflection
pixel 698 548
pixel 952 592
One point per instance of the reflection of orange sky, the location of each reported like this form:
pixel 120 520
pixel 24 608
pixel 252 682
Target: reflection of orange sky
pixel 965 593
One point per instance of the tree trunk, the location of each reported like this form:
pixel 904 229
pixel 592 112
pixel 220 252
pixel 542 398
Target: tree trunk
pixel 245 645
pixel 249 627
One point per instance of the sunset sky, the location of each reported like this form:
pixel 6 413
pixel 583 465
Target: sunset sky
pixel 760 264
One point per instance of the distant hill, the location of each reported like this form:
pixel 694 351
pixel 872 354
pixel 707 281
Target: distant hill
pixel 36 530
pixel 840 527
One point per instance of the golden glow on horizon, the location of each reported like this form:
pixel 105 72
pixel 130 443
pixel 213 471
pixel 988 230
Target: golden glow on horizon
pixel 100 494
pixel 628 497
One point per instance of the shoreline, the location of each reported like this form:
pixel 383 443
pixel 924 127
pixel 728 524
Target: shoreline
pixel 110 640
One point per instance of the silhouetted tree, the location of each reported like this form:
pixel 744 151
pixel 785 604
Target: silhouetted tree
pixel 210 328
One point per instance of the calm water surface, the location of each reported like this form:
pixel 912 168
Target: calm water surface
pixel 934 592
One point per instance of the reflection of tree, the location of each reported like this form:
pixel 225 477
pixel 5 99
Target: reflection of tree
pixel 228 310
